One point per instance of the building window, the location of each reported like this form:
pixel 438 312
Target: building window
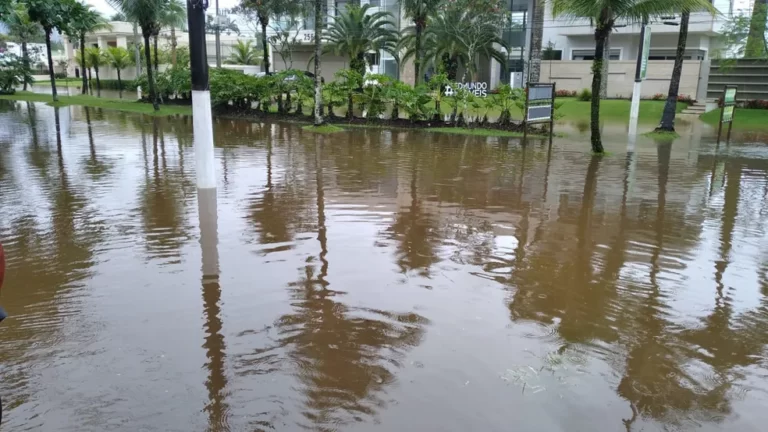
pixel 695 54
pixel 589 54
pixel 372 59
pixel 552 54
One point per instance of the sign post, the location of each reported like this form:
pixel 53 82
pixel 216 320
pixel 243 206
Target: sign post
pixel 727 111
pixel 539 107
pixel 640 73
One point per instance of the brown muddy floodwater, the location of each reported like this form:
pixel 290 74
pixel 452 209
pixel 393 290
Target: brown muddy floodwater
pixel 377 280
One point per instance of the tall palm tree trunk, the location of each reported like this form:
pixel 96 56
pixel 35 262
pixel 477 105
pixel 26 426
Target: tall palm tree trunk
pixel 25 59
pixel 606 64
pixel 82 64
pixel 755 47
pixel 668 116
pixel 417 61
pixel 318 79
pixel 265 43
pixel 150 75
pixel 601 33
pixel 98 80
pixel 157 63
pixel 48 32
pixel 174 44
pixel 120 82
pixel 536 39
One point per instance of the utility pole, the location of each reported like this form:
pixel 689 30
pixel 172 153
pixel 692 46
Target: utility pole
pixel 202 121
pixel 218 36
pixel 640 70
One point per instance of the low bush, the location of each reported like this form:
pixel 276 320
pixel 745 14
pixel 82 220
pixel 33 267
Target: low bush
pixel 659 96
pixel 686 99
pixel 566 93
pixel 585 95
pixel 755 104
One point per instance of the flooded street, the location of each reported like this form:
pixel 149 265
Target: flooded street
pixel 376 280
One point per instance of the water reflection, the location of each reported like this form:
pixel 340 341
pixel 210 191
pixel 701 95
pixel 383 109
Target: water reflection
pixel 377 279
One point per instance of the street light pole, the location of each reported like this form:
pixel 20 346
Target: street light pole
pixel 642 64
pixel 202 121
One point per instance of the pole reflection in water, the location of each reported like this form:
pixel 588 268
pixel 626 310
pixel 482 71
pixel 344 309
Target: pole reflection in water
pixel 214 341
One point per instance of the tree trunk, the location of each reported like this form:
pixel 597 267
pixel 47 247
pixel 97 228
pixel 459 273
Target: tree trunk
pixel 265 44
pixel 48 32
pixel 417 60
pixel 536 39
pixel 150 76
pixel 668 116
pixel 98 81
pixel 755 47
pixel 157 63
pixel 90 81
pixel 597 76
pixel 119 82
pixel 606 63
pixel 318 79
pixel 25 59
pixel 174 44
pixel 82 64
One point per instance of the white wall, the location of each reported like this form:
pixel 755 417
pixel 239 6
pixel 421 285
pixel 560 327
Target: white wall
pixel 577 75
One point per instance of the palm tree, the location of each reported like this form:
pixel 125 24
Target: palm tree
pixel 51 15
pixel 24 29
pixel 85 20
pixel 267 10
pixel 537 36
pixel 174 15
pixel 356 32
pixel 755 45
pixel 96 58
pixel 147 14
pixel 244 53
pixel 667 123
pixel 419 11
pixel 605 14
pixel 318 112
pixel 119 58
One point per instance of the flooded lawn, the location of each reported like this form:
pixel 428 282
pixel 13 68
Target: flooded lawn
pixel 376 280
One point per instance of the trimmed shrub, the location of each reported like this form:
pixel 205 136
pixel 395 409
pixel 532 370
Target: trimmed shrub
pixel 585 95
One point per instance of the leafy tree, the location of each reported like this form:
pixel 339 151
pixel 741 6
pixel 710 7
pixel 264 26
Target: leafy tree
pixel 436 84
pixel 14 72
pixel 350 81
pixel 84 20
pixel 373 99
pixel 605 14
pixel 24 30
pixel 244 53
pixel 118 58
pixel 147 13
pixel 419 11
pixel 357 32
pixel 266 10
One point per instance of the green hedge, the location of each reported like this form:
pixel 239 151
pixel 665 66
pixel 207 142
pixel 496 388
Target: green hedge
pixel 290 91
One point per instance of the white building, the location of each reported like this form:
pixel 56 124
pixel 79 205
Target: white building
pixel 37 52
pixel 574 39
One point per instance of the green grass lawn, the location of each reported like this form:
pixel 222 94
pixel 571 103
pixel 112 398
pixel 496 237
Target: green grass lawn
pixel 97 102
pixel 756 119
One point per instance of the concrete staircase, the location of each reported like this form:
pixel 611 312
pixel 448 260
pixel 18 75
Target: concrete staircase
pixel 696 109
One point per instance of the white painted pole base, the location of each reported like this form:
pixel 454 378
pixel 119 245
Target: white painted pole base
pixel 634 111
pixel 202 122
pixel 209 238
pixel 138 92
